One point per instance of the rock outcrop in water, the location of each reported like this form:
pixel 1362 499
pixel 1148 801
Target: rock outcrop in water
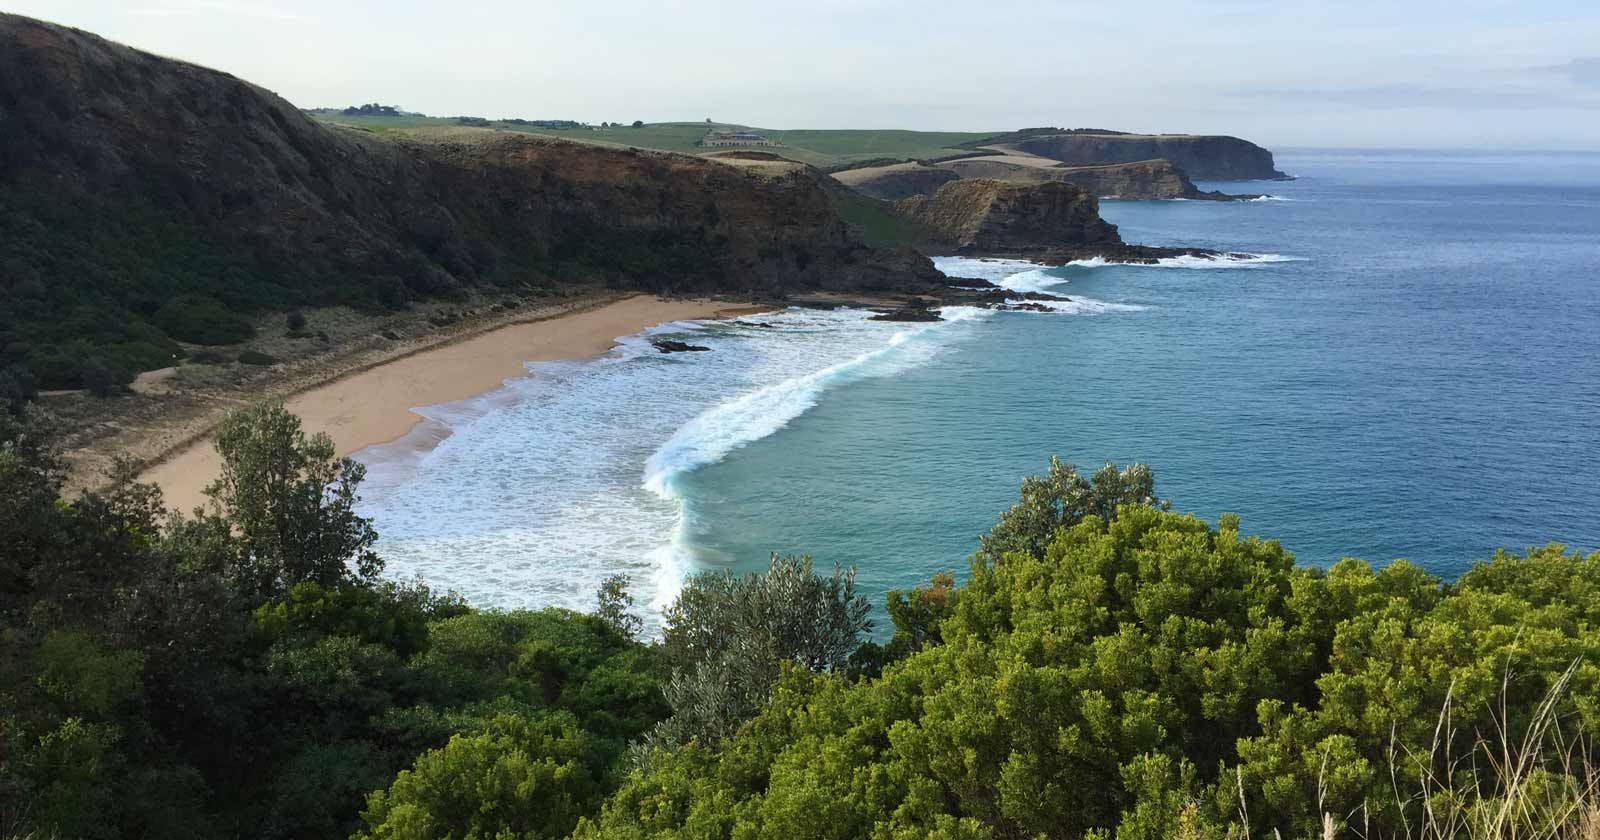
pixel 127 179
pixel 914 310
pixel 667 345
pixel 1209 158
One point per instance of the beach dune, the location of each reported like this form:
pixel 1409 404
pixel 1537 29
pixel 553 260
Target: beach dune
pixel 374 405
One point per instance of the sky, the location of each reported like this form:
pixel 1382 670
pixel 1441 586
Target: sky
pixel 1287 73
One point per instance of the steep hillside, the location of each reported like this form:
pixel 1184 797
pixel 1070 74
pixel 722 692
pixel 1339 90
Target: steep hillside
pixel 1208 158
pixel 991 217
pixel 145 200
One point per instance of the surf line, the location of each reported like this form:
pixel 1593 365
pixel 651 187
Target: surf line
pixel 720 430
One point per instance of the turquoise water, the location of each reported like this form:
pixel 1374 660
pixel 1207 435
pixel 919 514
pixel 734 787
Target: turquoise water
pixel 1425 384
pixel 1415 374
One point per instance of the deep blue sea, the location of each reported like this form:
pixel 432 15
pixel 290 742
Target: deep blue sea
pixel 1409 368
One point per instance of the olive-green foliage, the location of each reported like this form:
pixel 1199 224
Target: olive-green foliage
pixel 614 606
pixel 1142 674
pixel 230 674
pixel 1063 497
pixel 202 321
pixel 521 777
pixel 728 639
pixel 292 503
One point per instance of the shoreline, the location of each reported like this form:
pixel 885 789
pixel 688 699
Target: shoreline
pixel 368 405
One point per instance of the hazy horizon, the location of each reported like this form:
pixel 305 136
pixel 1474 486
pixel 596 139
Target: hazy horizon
pixel 1481 74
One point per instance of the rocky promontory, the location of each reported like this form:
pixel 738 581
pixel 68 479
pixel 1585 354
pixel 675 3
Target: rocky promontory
pixel 1052 223
pixel 1207 157
pixel 992 217
pixel 1140 180
pixel 1145 179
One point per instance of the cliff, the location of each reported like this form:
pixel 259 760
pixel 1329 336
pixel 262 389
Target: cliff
pixel 1208 158
pixel 991 217
pixel 128 180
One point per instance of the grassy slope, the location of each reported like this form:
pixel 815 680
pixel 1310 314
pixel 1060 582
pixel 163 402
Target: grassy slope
pixel 821 148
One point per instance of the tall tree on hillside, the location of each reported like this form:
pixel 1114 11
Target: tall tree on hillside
pixel 291 501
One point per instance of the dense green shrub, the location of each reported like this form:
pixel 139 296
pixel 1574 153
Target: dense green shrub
pixel 202 321
pixel 17 387
pixel 1109 668
pixel 244 673
pixel 1151 676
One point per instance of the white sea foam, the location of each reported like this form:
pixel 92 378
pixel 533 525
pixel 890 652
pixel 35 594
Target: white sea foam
pixel 1080 305
pixel 530 496
pixel 1025 276
pixel 993 270
pixel 1271 198
pixel 718 431
pixel 1220 261
pixel 1238 260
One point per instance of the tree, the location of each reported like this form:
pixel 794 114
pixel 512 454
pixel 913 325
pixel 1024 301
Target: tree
pixel 729 638
pixel 616 607
pixel 99 379
pixel 1062 498
pixel 291 502
pixel 638 123
pixel 17 387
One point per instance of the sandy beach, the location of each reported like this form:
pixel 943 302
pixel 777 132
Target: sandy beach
pixel 374 405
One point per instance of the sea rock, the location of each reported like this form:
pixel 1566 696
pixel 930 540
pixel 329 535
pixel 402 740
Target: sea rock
pixel 915 309
pixel 667 345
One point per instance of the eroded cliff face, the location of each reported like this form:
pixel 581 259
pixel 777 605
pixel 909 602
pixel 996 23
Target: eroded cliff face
pixel 990 217
pixel 126 178
pixel 1145 179
pixel 1208 158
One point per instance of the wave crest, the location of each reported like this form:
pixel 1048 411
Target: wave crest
pixel 720 430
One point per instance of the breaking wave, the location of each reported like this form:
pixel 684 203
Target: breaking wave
pixel 1080 305
pixel 737 422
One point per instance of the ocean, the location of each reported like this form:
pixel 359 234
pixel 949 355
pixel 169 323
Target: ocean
pixel 1406 367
